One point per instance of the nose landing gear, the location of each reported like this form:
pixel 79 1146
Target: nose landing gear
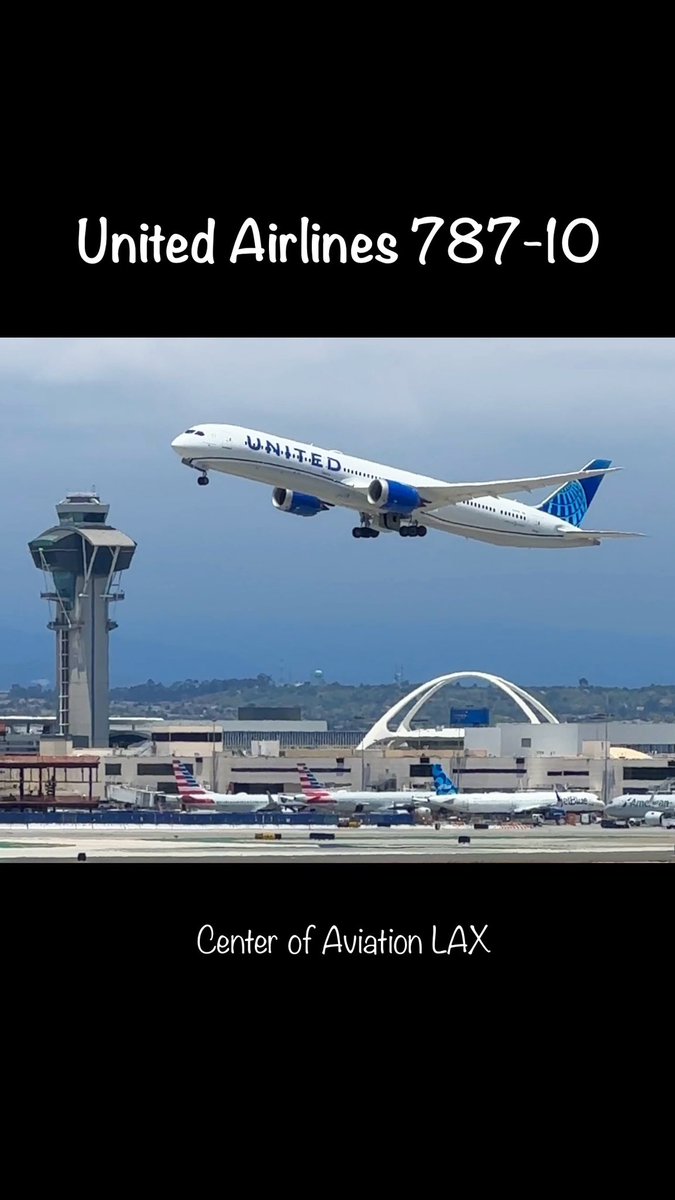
pixel 203 480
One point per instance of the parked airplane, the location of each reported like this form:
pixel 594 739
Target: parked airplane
pixel 194 796
pixel 345 802
pixel 654 809
pixel 307 480
pixel 550 803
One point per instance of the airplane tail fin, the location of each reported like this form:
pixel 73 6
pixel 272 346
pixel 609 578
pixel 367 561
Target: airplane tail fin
pixel 311 788
pixel 189 790
pixel 572 501
pixel 443 784
pixel 311 778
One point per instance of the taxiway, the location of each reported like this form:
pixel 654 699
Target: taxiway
pixel 395 845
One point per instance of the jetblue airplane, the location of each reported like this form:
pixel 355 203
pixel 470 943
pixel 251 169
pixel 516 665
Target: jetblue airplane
pixel 307 480
pixel 553 803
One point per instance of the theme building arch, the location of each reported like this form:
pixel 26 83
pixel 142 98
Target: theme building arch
pixel 410 705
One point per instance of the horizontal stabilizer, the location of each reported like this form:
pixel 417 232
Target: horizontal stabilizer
pixel 593 534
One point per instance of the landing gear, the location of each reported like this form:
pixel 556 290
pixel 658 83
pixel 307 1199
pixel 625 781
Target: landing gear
pixel 389 522
pixel 365 529
pixel 203 480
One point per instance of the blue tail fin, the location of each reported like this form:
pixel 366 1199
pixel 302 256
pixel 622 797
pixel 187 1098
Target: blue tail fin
pixel 444 786
pixel 572 501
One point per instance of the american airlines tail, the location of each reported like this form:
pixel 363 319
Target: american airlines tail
pixel 189 790
pixel 443 784
pixel 311 788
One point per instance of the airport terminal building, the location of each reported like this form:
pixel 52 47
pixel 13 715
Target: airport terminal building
pixel 258 754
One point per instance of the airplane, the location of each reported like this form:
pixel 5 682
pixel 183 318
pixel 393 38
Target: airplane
pixel 307 480
pixel 345 802
pixel 654 809
pixel 553 803
pixel 195 797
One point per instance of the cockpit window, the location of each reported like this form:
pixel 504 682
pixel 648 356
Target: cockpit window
pixel 199 432
pixel 189 430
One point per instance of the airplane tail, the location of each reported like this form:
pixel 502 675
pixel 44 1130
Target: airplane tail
pixel 442 783
pixel 189 790
pixel 311 788
pixel 572 501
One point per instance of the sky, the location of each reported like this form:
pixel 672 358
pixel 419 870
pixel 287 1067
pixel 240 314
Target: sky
pixel 223 585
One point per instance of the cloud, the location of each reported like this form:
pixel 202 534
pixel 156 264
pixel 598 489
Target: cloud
pixel 497 404
pixel 207 362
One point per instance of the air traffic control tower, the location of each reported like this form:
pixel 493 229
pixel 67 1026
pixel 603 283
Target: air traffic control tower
pixel 82 558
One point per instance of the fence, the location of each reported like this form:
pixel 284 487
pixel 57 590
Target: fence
pixel 178 818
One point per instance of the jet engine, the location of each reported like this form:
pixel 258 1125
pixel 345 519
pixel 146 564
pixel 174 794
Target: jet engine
pixel 297 503
pixel 388 496
pixel 653 818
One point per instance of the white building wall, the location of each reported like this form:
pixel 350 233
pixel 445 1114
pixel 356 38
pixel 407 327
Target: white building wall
pixel 531 740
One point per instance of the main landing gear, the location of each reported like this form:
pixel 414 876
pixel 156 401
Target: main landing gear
pixel 367 530
pixel 203 480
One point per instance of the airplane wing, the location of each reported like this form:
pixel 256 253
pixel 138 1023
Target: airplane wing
pixel 454 493
pixel 535 807
pixel 436 496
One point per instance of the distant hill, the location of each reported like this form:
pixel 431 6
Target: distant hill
pixel 346 706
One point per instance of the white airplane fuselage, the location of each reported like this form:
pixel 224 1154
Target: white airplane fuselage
pixel 508 803
pixel 338 479
pixel 626 808
pixel 242 803
pixel 347 803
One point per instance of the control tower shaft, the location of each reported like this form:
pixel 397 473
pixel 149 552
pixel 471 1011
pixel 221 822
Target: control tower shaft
pixel 82 558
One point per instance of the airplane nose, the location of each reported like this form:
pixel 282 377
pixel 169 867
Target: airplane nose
pixel 179 442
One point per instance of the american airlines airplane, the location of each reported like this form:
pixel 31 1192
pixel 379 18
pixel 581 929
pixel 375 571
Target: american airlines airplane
pixel 345 802
pixel 308 480
pixel 655 809
pixel 194 796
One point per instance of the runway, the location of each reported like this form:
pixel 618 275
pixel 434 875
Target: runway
pixel 34 843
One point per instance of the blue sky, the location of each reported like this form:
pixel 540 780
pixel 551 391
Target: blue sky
pixel 223 585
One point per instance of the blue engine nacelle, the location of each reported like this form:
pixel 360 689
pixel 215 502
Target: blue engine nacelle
pixel 388 496
pixel 297 503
